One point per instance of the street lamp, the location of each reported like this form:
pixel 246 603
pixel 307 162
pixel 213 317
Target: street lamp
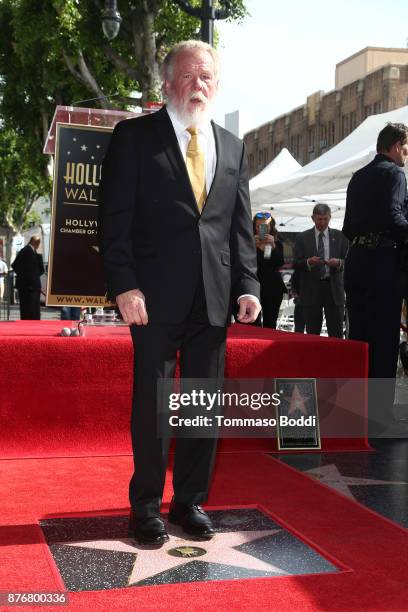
pixel 111 20
pixel 207 13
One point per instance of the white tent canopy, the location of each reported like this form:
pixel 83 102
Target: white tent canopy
pixel 303 206
pixel 283 165
pixel 300 223
pixel 330 172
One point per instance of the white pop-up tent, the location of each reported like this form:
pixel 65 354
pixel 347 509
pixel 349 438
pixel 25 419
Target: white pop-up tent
pixel 283 165
pixel 294 215
pixel 327 176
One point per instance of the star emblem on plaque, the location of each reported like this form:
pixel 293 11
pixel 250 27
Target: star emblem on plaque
pixel 297 414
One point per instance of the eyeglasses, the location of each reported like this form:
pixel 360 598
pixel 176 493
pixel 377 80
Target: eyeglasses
pixel 263 215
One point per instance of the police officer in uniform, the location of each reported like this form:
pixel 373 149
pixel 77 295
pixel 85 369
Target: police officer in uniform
pixel 376 224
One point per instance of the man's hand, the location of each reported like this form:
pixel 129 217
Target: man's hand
pixel 132 307
pixel 333 262
pixel 314 261
pixel 249 310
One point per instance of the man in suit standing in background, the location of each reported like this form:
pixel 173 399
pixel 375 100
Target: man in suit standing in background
pixel 376 224
pixel 319 255
pixel 29 266
pixel 177 245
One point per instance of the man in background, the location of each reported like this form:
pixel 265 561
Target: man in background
pixel 319 257
pixel 28 266
pixel 177 245
pixel 376 224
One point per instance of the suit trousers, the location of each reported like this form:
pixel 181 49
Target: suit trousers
pixel 30 308
pixel 201 349
pixel 334 313
pixel 373 283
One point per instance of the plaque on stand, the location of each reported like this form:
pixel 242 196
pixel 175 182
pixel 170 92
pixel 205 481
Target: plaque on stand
pixel 78 138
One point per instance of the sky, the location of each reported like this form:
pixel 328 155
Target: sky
pixel 284 51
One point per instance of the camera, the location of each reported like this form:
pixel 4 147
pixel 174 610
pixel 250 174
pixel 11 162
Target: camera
pixel 263 231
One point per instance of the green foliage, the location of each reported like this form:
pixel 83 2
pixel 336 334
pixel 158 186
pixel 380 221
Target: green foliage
pixel 52 52
pixel 22 179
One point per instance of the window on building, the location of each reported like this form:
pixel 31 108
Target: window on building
pixel 251 164
pixel 266 157
pixel 331 133
pixel 344 125
pixel 277 148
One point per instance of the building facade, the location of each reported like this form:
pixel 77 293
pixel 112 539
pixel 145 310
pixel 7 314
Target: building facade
pixel 372 81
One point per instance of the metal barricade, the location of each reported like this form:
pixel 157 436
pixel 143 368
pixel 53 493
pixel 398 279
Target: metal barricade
pixel 8 297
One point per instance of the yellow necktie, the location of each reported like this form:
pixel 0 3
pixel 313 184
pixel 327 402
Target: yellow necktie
pixel 195 162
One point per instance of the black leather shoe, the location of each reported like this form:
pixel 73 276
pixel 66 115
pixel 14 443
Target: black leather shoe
pixel 149 530
pixel 192 519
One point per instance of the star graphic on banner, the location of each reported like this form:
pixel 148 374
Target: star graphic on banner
pixel 98 146
pixel 74 139
pixel 84 148
pixel 150 562
pixel 331 476
pixel 92 156
pixel 68 152
pixel 297 403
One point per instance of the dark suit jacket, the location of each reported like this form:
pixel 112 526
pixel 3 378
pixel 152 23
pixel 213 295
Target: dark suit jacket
pixel 152 236
pixel 28 265
pixel 305 247
pixel 376 201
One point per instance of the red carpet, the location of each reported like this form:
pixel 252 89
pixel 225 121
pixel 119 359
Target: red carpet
pixel 369 549
pixel 71 396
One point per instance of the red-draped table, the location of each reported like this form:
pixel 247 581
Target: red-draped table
pixel 72 396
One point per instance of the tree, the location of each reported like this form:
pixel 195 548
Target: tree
pixel 57 47
pixel 23 180
pixel 52 52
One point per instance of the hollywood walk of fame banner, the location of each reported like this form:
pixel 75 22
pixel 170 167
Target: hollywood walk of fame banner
pixel 297 414
pixel 75 272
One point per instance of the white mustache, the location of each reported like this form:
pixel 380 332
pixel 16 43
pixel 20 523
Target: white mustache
pixel 198 96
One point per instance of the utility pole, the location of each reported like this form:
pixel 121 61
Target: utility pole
pixel 208 14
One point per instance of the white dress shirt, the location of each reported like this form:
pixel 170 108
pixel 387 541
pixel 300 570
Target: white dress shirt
pixel 206 142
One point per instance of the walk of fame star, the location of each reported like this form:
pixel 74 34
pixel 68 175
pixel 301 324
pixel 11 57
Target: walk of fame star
pixel 218 550
pixel 331 476
pixel 95 553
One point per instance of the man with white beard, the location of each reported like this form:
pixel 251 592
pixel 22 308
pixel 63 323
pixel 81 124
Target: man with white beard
pixel 177 246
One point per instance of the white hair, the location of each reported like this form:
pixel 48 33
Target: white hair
pixel 167 67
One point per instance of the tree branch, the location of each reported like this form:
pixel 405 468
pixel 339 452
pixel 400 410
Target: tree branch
pixel 71 68
pixel 90 80
pixel 121 64
pixel 85 77
pixel 186 6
